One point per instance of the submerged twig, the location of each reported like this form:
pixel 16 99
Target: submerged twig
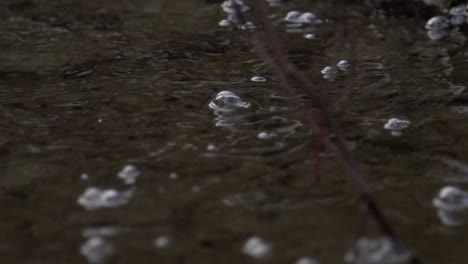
pixel 326 126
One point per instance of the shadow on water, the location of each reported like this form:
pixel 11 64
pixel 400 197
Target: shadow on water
pixel 142 131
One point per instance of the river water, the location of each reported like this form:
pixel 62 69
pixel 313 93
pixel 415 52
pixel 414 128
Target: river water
pixel 133 132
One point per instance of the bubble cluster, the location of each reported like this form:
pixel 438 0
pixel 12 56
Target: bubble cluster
pixel 229 7
pixel 396 125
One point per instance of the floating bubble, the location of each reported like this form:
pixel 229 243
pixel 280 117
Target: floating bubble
pixel 437 34
pixel 104 231
pixel 162 242
pixel 96 249
pixel 452 204
pixel 308 18
pixel 96 198
pixel 227 101
pixel 458 20
pixel 173 176
pixel 307 260
pixel 292 16
pixel 451 198
pixel 129 173
pixel 265 135
pixel 438 23
pixel 224 23
pixel 211 147
pixel 258 79
pixel 396 125
pixel 228 7
pixel 309 36
pixel 343 64
pixel 84 176
pixel 257 247
pixel 376 251
pixel 458 10
pixel 248 26
pixel 329 70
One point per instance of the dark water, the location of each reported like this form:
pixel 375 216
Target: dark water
pixel 89 87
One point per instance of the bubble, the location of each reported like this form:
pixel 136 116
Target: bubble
pixel 224 23
pixel 257 247
pixel 96 198
pixel 458 10
pixel 308 18
pixel 307 260
pixel 309 36
pixel 458 20
pixel 104 231
pixel 329 70
pixel 438 23
pixel 396 125
pixel 227 101
pixel 211 147
pixel 258 79
pixel 292 16
pixel 376 251
pixel 452 205
pixel 437 34
pixel 129 173
pixel 229 8
pixel 248 26
pixel 451 198
pixel 84 176
pixel 96 249
pixel 343 64
pixel 265 135
pixel 162 242
pixel 173 176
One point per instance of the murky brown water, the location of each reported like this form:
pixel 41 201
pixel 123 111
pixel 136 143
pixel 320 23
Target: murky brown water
pixel 88 87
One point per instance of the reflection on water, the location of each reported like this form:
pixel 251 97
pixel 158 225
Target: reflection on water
pixel 144 131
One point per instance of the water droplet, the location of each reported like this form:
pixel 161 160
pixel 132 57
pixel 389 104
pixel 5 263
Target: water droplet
pixel 258 79
pixel 437 23
pixel 129 173
pixel 257 247
pixel 396 125
pixel 343 64
pixel 329 70
pixel 162 242
pixel 95 198
pixel 376 251
pixel 96 249
pixel 226 101
pixel 224 23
